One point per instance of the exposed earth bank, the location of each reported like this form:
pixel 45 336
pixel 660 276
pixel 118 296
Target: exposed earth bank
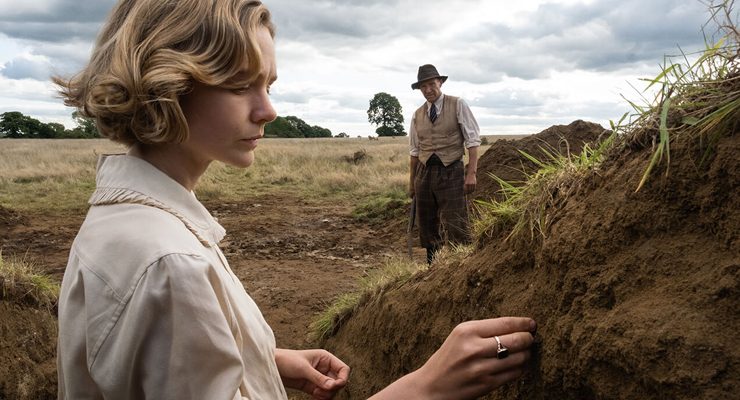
pixel 636 295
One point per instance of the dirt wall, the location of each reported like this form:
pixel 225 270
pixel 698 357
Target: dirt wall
pixel 27 352
pixel 637 295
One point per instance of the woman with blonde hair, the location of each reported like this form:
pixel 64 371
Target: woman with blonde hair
pixel 149 306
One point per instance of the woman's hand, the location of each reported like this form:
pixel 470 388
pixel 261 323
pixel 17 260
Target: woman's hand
pixel 467 365
pixel 316 372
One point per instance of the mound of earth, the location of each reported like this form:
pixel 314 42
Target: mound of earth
pixel 636 294
pixel 27 352
pixel 504 160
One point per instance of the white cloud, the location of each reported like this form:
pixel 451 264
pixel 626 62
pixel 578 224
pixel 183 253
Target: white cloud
pixel 27 65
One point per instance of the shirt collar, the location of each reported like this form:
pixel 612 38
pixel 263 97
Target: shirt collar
pixel 127 179
pixel 438 104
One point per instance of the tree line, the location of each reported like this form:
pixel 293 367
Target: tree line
pixel 14 124
pixel 294 127
pixel 385 112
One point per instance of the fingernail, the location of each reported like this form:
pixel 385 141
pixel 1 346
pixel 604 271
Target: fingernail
pixel 533 328
pixel 328 384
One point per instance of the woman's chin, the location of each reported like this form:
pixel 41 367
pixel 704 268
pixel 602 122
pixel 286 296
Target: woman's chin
pixel 244 161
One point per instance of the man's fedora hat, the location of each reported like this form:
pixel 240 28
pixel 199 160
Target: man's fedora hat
pixel 427 71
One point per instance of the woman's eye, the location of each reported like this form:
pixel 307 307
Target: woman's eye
pixel 241 90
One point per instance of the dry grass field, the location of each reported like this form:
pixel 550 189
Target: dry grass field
pixel 58 176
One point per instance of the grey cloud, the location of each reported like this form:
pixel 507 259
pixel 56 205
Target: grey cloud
pixel 339 24
pixel 81 11
pixel 54 32
pixel 513 102
pixel 292 97
pixel 21 68
pixel 601 36
pixel 354 102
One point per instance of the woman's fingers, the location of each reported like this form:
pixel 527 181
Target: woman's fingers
pixel 494 365
pixel 514 343
pixel 488 328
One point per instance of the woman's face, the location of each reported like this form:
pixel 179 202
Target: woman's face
pixel 226 123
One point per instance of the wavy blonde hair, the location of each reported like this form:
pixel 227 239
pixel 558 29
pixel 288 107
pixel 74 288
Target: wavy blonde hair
pixel 148 55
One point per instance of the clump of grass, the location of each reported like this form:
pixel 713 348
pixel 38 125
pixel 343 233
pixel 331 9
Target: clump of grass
pixel 452 253
pixel 697 100
pixel 385 207
pixel 529 205
pixel 358 157
pixel 395 273
pixel 22 282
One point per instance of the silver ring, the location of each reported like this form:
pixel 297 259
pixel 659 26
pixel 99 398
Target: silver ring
pixel 501 352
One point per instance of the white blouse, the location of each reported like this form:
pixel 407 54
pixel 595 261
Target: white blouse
pixel 149 307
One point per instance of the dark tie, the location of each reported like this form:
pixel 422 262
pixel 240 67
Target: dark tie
pixel 433 113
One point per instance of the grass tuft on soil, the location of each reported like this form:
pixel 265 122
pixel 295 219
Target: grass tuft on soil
pixel 394 273
pixel 24 283
pixel 528 205
pixel 698 97
pixel 388 206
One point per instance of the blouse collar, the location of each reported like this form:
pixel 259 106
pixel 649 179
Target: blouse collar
pixel 126 179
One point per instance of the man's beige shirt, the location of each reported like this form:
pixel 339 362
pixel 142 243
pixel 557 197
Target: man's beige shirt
pixel 149 307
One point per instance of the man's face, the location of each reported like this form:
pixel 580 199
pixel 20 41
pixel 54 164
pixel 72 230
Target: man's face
pixel 431 89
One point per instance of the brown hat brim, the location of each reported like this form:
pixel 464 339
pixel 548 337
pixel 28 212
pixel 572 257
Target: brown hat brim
pixel 416 85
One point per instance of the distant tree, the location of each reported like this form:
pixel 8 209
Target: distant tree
pixel 317 131
pixel 307 130
pixel 57 129
pixel 294 127
pixel 87 125
pixel 14 124
pixel 385 111
pixel 282 128
pixel 342 134
pixel 48 131
pixel 300 125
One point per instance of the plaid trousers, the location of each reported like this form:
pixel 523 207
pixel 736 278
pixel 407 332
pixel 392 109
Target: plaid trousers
pixel 441 208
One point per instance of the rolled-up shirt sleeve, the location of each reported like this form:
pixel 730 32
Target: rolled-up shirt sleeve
pixel 413 138
pixel 468 124
pixel 174 338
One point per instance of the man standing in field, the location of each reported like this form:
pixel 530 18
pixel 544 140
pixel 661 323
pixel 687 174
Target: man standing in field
pixel 441 129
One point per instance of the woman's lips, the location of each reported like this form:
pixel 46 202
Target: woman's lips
pixel 250 142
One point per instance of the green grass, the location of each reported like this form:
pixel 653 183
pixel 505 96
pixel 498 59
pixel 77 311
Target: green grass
pixel 698 97
pixel 528 206
pixel 22 282
pixel 385 207
pixel 394 273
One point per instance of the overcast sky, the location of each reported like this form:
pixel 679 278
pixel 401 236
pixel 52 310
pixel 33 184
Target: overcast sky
pixel 522 66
